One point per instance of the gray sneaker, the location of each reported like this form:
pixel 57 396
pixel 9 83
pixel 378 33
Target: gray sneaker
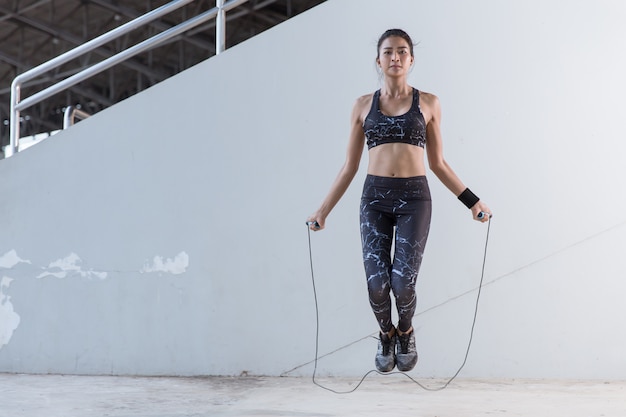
pixel 406 353
pixel 386 354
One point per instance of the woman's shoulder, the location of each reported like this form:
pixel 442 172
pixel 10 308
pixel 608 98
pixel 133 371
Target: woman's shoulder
pixel 365 98
pixel 428 97
pixel 361 108
pixel 428 100
pixel 363 102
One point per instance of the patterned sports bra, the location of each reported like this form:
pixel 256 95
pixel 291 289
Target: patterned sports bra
pixel 408 128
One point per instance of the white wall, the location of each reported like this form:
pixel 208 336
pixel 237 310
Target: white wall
pixel 166 234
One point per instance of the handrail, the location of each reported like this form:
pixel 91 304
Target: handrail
pixel 18 105
pixel 72 113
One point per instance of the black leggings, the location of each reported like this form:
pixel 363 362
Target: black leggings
pixel 403 203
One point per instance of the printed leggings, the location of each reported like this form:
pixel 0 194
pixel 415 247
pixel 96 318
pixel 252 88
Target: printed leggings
pixel 403 204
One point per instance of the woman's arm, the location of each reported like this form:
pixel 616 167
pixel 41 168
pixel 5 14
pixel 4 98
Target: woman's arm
pixel 436 161
pixel 349 168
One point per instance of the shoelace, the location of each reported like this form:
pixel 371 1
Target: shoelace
pixel 386 344
pixel 404 342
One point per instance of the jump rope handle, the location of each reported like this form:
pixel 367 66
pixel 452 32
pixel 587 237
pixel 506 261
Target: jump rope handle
pixel 314 223
pixel 482 214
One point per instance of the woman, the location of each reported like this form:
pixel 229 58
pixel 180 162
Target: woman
pixel 398 123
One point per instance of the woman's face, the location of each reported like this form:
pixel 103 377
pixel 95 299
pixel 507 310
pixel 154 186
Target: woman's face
pixel 394 56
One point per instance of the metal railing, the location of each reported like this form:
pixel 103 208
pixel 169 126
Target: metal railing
pixel 71 113
pixel 17 104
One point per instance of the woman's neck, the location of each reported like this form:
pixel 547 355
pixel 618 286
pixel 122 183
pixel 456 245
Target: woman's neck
pixel 396 88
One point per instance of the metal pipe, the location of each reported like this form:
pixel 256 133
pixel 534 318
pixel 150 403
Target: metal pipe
pixel 220 27
pixel 231 4
pixel 220 22
pixel 14 122
pixel 72 113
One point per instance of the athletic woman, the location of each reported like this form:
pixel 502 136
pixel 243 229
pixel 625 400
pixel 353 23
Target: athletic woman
pixel 399 124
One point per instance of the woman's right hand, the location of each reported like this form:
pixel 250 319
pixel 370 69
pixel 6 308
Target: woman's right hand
pixel 315 222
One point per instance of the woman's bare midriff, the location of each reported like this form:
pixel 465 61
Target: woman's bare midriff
pixel 396 160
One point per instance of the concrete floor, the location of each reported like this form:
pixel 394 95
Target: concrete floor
pixel 390 395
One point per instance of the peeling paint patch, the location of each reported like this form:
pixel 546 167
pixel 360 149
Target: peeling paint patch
pixel 175 266
pixel 9 319
pixel 10 259
pixel 70 264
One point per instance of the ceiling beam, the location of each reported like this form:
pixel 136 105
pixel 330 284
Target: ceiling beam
pixel 12 61
pixel 68 37
pixel 241 11
pixel 133 14
pixel 25 9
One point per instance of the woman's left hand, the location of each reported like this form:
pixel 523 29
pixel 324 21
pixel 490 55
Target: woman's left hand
pixel 481 207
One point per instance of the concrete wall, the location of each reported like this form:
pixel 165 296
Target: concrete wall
pixel 166 236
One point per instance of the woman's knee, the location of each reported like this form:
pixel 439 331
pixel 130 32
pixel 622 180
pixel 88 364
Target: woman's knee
pixel 378 291
pixel 405 299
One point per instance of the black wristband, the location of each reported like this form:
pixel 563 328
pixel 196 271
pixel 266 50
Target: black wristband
pixel 468 198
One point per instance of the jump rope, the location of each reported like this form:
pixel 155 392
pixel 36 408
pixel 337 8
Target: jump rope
pixel 427 388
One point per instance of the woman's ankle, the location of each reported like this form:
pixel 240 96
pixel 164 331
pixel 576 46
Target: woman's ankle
pixel 401 333
pixel 391 332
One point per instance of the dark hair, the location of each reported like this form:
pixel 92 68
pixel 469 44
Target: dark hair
pixel 394 32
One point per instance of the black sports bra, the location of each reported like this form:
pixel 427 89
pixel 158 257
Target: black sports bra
pixel 407 128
